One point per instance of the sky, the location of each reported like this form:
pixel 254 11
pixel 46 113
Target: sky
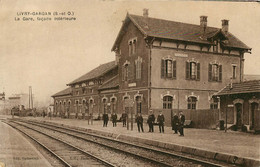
pixel 47 55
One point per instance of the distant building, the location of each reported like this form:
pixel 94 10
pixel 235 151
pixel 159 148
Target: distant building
pixel 248 77
pixel 14 101
pixel 2 101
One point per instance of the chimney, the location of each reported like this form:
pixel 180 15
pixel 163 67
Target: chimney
pixel 203 24
pixel 225 26
pixel 145 12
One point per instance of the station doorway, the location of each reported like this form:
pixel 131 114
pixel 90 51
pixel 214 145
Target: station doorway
pixel 238 108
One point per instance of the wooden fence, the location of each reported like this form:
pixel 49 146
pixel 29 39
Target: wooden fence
pixel 206 119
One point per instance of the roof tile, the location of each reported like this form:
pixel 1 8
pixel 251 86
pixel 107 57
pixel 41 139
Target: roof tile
pixel 96 72
pixel 66 91
pixel 242 87
pixel 179 31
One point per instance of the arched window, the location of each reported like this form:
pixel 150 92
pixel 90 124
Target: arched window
pixel 213 103
pixel 138 100
pixel 167 102
pixel 215 72
pixel 138 68
pixel 130 48
pixel 125 72
pixel 192 70
pixel 168 68
pixel 192 102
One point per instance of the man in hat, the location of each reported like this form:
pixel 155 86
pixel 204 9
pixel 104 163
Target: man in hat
pixel 150 121
pixel 182 120
pixel 139 121
pixel 160 120
pixel 124 117
pixel 175 123
pixel 114 119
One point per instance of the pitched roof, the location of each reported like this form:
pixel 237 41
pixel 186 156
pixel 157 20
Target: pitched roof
pixel 112 83
pixel 166 29
pixel 66 91
pixel 96 72
pixel 242 87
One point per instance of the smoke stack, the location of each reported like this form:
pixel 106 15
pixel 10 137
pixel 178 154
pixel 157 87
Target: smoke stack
pixel 225 26
pixel 203 24
pixel 145 12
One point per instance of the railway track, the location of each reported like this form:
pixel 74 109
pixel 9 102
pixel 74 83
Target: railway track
pixel 156 156
pixel 67 154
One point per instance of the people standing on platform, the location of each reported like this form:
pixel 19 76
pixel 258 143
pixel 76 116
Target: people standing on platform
pixel 43 113
pixel 68 112
pixel 105 119
pixel 114 119
pixel 124 117
pixel 50 112
pixel 160 120
pixel 175 123
pixel 150 121
pixel 139 121
pixel 182 120
pixel 85 110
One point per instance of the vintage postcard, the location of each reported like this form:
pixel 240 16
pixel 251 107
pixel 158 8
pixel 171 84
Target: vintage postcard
pixel 129 83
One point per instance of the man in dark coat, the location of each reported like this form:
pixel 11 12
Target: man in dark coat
pixel 139 121
pixel 124 117
pixel 105 119
pixel 150 121
pixel 175 123
pixel 114 119
pixel 182 120
pixel 160 120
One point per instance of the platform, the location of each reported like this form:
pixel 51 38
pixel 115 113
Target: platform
pixel 238 144
pixel 16 150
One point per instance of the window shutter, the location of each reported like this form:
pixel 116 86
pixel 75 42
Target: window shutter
pixel 220 73
pixel 174 69
pixel 210 72
pixel 162 68
pixel 136 70
pixel 198 71
pixel 141 69
pixel 187 70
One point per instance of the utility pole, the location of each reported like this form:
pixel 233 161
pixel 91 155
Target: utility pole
pixel 29 98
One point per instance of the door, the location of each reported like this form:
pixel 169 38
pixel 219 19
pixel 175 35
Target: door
pixel 239 115
pixel 254 116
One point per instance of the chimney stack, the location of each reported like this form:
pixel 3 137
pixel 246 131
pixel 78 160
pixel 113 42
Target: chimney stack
pixel 145 12
pixel 203 24
pixel 225 26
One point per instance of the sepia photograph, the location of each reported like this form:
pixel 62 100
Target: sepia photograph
pixel 129 83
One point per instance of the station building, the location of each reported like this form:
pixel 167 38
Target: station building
pixel 165 65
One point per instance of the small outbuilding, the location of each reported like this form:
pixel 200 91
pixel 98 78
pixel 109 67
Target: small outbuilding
pixel 240 105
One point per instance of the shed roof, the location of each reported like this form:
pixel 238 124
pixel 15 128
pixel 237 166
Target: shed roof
pixel 112 83
pixel 64 92
pixel 96 72
pixel 173 30
pixel 239 88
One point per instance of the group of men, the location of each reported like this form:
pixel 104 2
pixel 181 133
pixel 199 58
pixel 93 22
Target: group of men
pixel 160 121
pixel 114 119
pixel 177 121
